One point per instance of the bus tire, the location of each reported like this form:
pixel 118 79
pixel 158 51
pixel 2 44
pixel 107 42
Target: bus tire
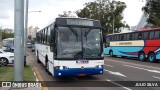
pixel 47 65
pixel 141 56
pixel 111 53
pixel 152 57
pixel 38 61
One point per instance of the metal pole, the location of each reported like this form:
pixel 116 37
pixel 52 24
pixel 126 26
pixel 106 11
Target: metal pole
pixel 26 28
pixel 19 40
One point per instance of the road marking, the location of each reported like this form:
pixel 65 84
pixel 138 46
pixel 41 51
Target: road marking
pixel 154 71
pixel 156 77
pixel 108 65
pixel 119 85
pixel 132 63
pixel 115 73
pixel 40 77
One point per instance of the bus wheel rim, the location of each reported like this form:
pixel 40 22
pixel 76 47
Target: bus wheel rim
pixel 151 57
pixel 141 57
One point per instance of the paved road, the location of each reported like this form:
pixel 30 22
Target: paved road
pixel 115 69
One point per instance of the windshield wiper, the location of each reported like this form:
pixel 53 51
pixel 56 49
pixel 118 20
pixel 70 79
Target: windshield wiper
pixel 73 30
pixel 86 33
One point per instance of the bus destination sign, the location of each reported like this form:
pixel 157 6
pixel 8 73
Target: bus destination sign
pixel 79 22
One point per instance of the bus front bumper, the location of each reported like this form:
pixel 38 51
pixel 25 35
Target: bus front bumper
pixel 78 72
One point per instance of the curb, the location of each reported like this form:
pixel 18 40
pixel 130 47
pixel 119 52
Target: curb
pixel 39 88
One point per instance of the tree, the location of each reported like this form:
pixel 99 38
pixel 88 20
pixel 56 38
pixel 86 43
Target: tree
pixel 106 12
pixel 7 35
pixel 152 8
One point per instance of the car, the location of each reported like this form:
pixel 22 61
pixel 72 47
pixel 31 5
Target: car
pixel 33 48
pixel 6 57
pixel 29 45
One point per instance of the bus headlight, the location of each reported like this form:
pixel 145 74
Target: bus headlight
pixel 99 66
pixel 60 68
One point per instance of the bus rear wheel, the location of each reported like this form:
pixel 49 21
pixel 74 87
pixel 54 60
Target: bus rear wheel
pixel 152 57
pixel 111 53
pixel 141 56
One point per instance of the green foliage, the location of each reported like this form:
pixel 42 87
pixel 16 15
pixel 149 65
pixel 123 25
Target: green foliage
pixel 152 8
pixel 7 35
pixel 107 12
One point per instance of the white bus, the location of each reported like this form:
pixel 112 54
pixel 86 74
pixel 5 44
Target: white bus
pixel 71 47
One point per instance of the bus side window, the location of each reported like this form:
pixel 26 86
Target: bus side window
pixel 135 36
pixel 140 35
pixel 151 35
pixel 125 37
pixel 157 33
pixel 130 37
pixel 122 37
pixel 145 35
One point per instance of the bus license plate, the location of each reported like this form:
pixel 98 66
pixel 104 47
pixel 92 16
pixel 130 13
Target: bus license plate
pixel 82 62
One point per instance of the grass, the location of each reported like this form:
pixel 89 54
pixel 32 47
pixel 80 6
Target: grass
pixel 7 73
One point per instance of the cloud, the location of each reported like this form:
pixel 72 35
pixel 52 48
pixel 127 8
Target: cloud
pixel 51 8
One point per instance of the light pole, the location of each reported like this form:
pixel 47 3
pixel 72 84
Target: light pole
pixel 19 40
pixel 26 28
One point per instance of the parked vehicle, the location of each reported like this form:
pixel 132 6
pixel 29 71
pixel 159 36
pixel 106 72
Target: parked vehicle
pixel 29 45
pixel 6 58
pixel 33 48
pixel 8 44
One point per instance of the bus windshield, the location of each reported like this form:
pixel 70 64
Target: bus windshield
pixel 79 43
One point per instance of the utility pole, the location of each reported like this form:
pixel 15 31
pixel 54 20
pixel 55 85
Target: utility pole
pixel 26 29
pixel 19 40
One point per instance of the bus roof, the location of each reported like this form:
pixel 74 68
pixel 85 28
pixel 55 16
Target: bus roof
pixel 141 30
pixel 149 29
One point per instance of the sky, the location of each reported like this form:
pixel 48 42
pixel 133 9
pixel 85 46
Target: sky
pixel 51 8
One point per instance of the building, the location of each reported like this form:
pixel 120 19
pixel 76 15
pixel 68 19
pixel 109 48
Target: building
pixel 32 32
pixel 142 22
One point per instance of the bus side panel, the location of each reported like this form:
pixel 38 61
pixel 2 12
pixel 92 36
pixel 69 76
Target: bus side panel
pixel 106 50
pixel 126 51
pixel 51 62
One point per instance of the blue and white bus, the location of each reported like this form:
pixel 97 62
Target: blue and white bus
pixel 71 47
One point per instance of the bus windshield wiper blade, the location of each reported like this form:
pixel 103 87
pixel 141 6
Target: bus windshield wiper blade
pixel 73 30
pixel 88 32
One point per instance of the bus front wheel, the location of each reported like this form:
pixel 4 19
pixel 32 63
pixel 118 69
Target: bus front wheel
pixel 141 56
pixel 38 61
pixel 152 57
pixel 47 66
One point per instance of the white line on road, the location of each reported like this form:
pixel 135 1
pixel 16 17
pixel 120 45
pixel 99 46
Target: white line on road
pixel 133 64
pixel 156 77
pixel 108 65
pixel 154 71
pixel 115 73
pixel 119 85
